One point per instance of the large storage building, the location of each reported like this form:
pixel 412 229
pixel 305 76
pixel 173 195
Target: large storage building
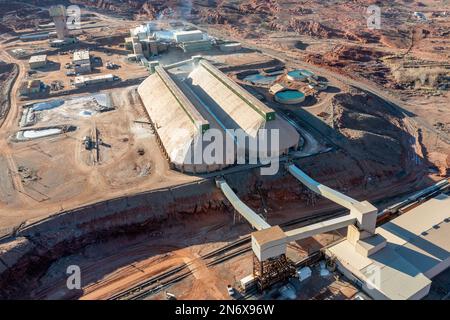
pixel 35 36
pixel 184 107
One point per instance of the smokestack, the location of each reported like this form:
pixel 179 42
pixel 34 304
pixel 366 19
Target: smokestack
pixel 59 15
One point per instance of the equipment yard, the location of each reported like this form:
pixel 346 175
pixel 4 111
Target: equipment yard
pixel 139 146
pixel 65 172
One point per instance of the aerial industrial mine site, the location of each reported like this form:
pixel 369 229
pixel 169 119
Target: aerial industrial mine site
pixel 224 150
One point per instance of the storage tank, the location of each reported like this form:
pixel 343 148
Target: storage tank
pixel 296 75
pixel 290 97
pixel 230 47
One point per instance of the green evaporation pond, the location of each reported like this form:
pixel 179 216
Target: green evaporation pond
pixel 290 95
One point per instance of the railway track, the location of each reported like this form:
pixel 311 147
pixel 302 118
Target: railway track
pixel 241 246
pixel 164 280
pixel 312 258
pixel 234 249
pixel 155 284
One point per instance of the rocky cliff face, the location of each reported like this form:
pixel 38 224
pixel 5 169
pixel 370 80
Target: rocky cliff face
pixel 26 256
pixel 375 132
pixel 152 9
pixel 244 17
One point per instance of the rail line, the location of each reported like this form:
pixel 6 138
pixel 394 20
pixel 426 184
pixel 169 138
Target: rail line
pixel 310 259
pixel 234 249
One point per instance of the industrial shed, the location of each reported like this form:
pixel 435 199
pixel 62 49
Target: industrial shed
pixel 238 109
pixel 37 61
pixel 417 249
pixel 183 109
pixel 186 36
pixel 177 122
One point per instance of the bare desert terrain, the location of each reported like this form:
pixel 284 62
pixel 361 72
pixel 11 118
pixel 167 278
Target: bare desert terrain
pixel 379 131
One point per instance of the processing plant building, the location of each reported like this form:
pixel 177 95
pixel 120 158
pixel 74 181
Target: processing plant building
pixel 148 40
pixel 187 36
pixel 405 254
pixel 184 107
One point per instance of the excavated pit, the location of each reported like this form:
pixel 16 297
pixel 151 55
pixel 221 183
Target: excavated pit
pixel 25 257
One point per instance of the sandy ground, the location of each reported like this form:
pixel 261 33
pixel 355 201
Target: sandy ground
pixel 110 267
pixel 65 175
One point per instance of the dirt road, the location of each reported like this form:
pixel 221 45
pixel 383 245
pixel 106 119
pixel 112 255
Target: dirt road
pixel 64 180
pixel 9 124
pixel 361 84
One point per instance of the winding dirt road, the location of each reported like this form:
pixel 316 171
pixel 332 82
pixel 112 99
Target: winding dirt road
pixel 9 124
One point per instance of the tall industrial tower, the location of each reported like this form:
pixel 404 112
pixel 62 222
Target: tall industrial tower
pixel 59 15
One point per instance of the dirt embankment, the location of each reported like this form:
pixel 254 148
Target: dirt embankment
pixel 347 59
pixel 26 256
pixel 17 16
pixel 375 135
pixel 8 73
pixel 372 129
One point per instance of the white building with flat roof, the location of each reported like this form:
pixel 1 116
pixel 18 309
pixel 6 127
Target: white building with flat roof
pixel 81 61
pixel 83 81
pixel 38 61
pixel 81 56
pixel 143 31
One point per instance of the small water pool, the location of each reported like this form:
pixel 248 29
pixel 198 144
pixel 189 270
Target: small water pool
pixel 300 74
pixel 260 79
pixel 296 75
pixel 290 97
